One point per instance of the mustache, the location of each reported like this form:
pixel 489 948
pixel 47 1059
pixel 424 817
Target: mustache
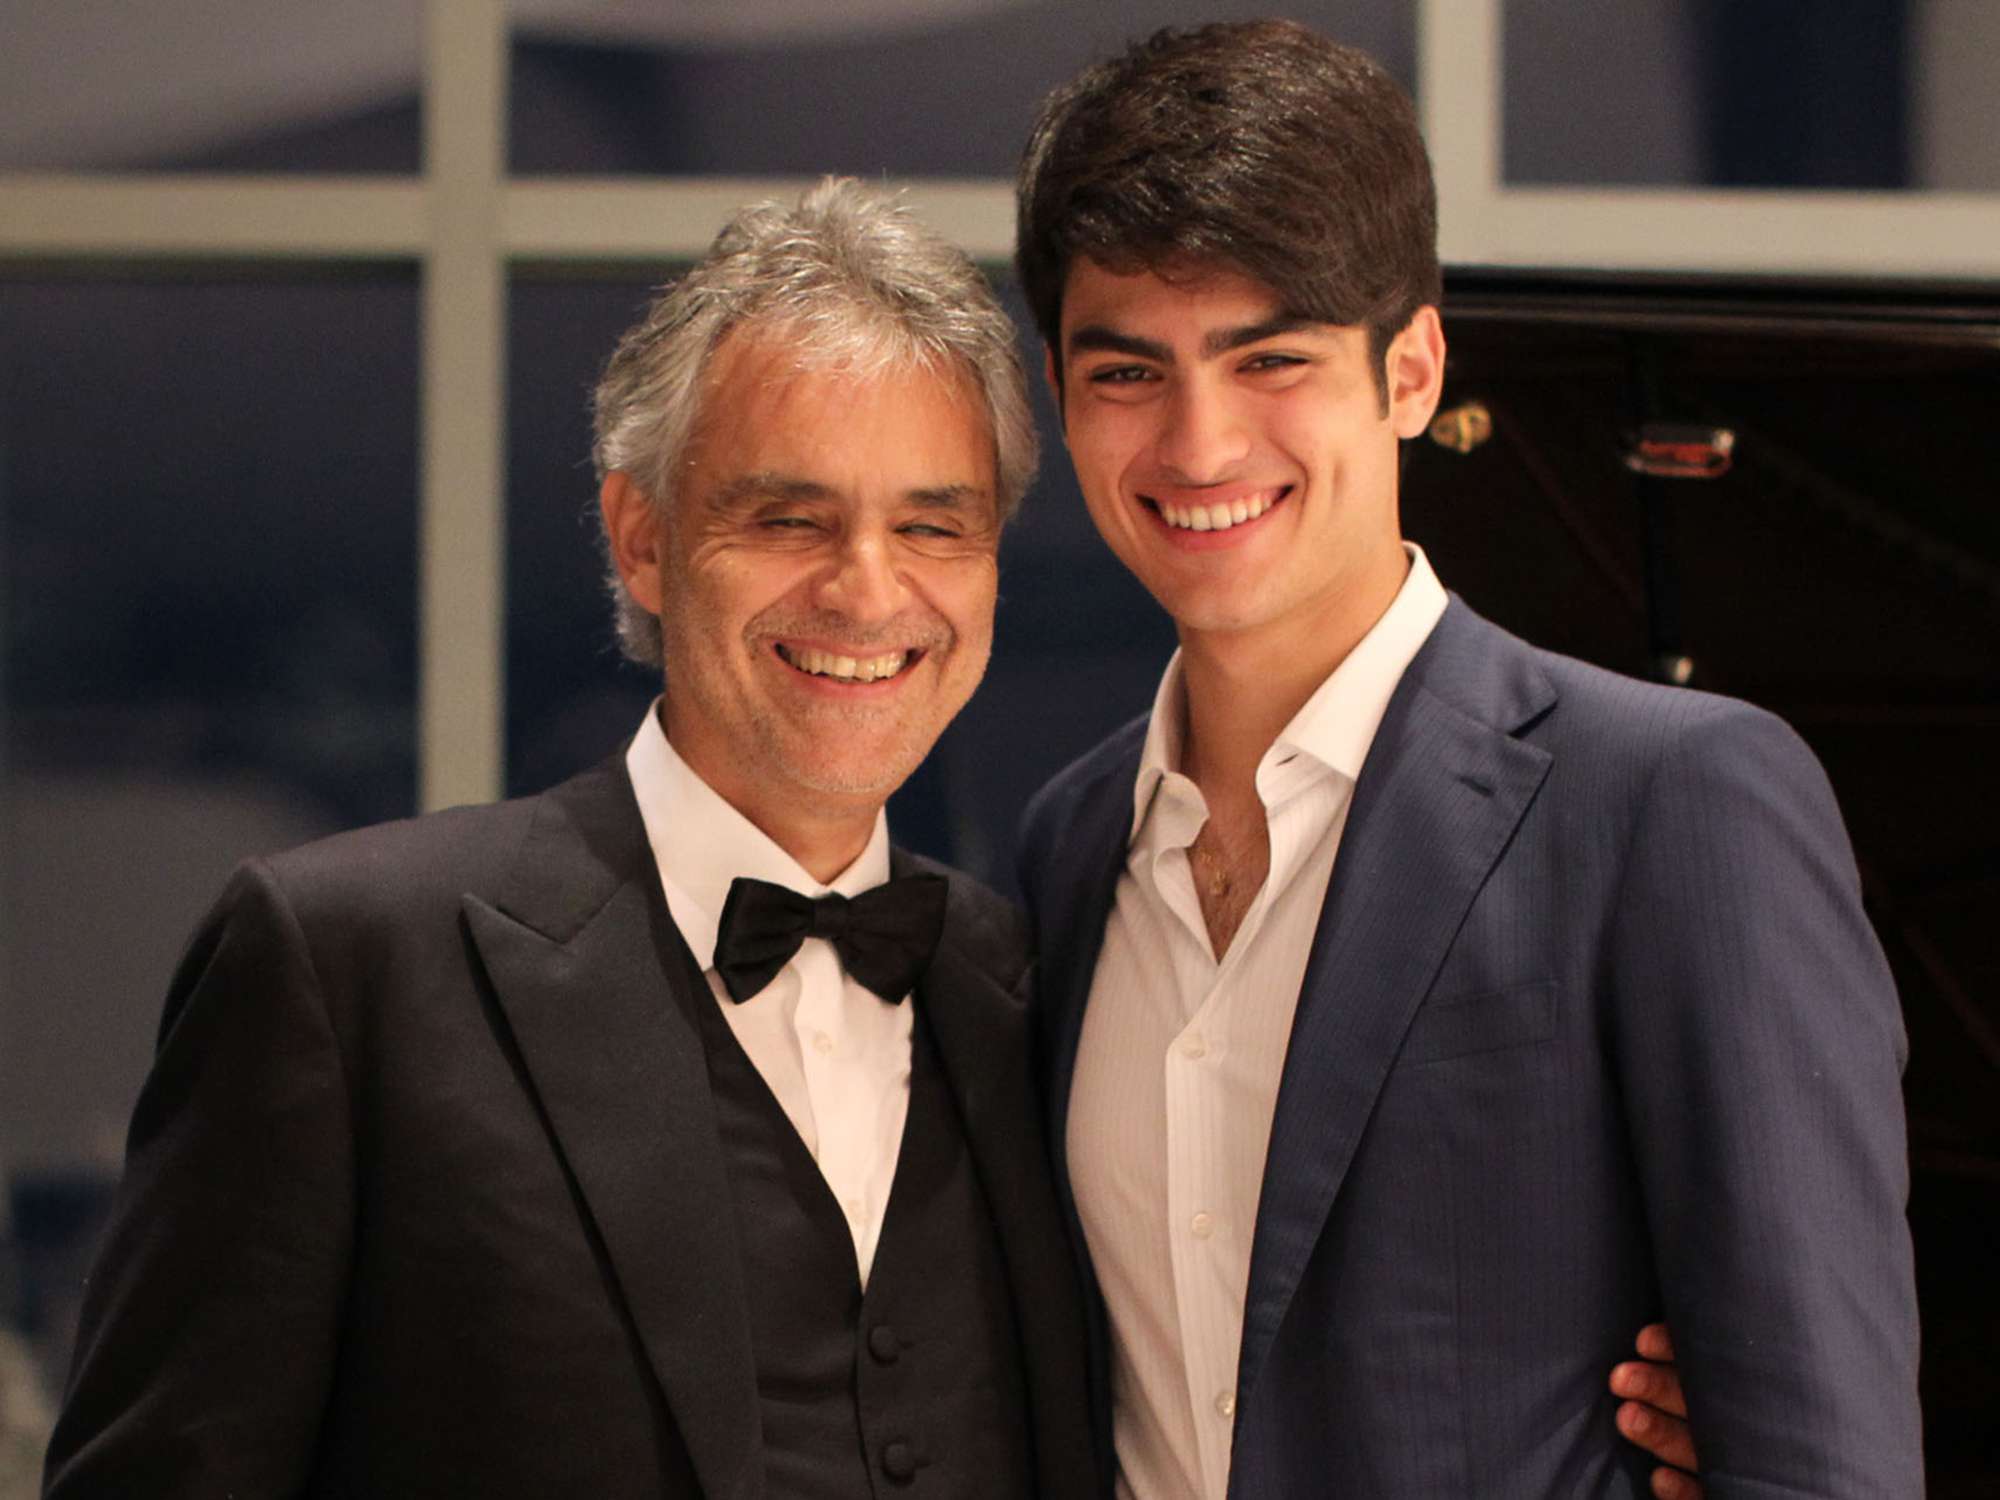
pixel 919 630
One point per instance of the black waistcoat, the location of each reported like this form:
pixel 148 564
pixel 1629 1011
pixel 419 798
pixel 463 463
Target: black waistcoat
pixel 915 1388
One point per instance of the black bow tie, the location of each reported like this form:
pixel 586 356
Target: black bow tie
pixel 884 936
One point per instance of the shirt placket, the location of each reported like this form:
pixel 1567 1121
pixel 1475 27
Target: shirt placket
pixel 1210 1259
pixel 825 1058
pixel 1195 1227
pixel 1202 1231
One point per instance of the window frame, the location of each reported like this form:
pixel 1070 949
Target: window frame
pixel 465 224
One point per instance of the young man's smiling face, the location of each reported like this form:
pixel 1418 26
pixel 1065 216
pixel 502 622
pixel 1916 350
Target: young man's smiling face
pixel 825 581
pixel 1241 463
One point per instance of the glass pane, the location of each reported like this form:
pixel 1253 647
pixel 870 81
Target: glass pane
pixel 1079 646
pixel 1740 93
pixel 571 697
pixel 209 85
pixel 917 88
pixel 207 651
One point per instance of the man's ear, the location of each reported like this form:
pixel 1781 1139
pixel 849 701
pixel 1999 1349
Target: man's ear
pixel 1415 372
pixel 633 528
pixel 1053 375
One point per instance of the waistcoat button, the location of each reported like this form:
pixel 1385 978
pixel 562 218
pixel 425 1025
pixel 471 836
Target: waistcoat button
pixel 883 1344
pixel 899 1462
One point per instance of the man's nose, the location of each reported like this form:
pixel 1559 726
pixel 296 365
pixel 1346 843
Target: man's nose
pixel 1202 438
pixel 863 582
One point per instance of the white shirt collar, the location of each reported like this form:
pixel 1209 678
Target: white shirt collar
pixel 1337 724
pixel 701 843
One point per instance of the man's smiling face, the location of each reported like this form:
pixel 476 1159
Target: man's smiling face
pixel 825 581
pixel 1240 462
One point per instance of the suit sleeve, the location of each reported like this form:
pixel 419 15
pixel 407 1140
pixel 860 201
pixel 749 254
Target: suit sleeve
pixel 210 1322
pixel 1760 1046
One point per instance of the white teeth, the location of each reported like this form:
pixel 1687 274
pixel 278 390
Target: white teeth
pixel 846 668
pixel 1215 517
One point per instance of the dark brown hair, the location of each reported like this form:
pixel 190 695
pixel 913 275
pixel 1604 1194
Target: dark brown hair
pixel 1260 146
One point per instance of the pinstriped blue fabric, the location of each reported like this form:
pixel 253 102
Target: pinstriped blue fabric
pixel 1594 1030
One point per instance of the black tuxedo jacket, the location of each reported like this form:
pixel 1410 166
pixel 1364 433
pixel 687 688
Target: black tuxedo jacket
pixel 423 1195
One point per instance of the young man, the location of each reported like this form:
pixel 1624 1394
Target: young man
pixel 1423 1011
pixel 529 1151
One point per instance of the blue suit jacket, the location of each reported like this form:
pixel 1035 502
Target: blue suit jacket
pixel 1593 1031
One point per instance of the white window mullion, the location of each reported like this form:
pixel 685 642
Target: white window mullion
pixel 1462 82
pixel 1459 96
pixel 49 216
pixel 660 219
pixel 461 639
pixel 1756 231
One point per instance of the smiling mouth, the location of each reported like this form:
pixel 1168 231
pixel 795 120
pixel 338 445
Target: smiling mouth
pixel 1220 516
pixel 838 668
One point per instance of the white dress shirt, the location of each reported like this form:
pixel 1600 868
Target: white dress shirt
pixel 1178 1067
pixel 835 1056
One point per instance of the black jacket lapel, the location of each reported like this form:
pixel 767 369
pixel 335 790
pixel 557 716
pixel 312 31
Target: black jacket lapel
pixel 596 985
pixel 975 997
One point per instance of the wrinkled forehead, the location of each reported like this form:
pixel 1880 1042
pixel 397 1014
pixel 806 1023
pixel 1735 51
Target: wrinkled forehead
pixel 773 404
pixel 756 360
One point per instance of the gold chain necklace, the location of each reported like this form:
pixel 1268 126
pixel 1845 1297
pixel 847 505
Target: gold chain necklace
pixel 1213 874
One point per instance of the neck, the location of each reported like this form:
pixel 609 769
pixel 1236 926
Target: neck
pixel 1242 687
pixel 825 835
pixel 823 846
pixel 824 831
pixel 1236 702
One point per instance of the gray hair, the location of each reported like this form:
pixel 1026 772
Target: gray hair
pixel 860 284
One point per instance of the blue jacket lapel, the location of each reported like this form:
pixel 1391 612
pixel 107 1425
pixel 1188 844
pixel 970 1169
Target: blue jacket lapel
pixel 1073 904
pixel 1442 790
pixel 1070 895
pixel 595 983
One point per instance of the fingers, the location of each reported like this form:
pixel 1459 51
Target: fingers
pixel 1654 1413
pixel 1665 1437
pixel 1655 1343
pixel 1654 1385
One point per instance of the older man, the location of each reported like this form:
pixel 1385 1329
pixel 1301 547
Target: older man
pixel 1426 1010
pixel 531 1150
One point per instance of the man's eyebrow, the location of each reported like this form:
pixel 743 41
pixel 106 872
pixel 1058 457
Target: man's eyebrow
pixel 790 489
pixel 946 496
pixel 1222 340
pixel 766 485
pixel 1099 338
pixel 1096 337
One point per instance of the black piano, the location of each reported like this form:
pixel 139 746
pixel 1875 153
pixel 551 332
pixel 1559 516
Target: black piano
pixel 1789 492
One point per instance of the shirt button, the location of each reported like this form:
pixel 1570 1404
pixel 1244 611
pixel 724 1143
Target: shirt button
pixel 822 1044
pixel 1225 1404
pixel 1193 1045
pixel 899 1462
pixel 883 1344
pixel 1203 1225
